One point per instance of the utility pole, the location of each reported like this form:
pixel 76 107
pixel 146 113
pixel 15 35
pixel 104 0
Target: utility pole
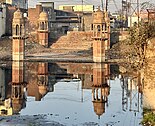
pixel 130 13
pixel 102 4
pixel 106 5
pixel 124 13
pixel 138 11
pixel 82 6
pixel 82 22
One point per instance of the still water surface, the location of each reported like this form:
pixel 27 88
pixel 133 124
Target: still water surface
pixel 73 94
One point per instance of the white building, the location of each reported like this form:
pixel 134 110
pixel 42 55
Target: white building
pixel 2 19
pixel 77 8
pixel 132 20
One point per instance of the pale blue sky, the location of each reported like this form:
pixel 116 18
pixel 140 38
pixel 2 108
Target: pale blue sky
pixel 111 7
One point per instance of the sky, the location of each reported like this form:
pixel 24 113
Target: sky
pixel 112 6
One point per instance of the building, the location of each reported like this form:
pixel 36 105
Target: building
pixel 19 3
pixel 145 16
pixel 77 8
pixel 33 16
pixel 67 21
pixel 59 22
pixel 84 12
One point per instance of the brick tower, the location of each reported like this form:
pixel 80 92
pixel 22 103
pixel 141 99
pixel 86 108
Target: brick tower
pixel 43 29
pixel 101 35
pixel 18 34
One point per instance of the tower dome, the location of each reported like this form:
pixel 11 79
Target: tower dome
pixel 17 105
pixel 99 107
pixel 43 16
pixel 43 90
pixel 18 14
pixel 98 16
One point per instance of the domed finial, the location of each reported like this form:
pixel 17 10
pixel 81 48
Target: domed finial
pixel 99 117
pixel 18 14
pixel 98 8
pixel 43 16
pixel 18 5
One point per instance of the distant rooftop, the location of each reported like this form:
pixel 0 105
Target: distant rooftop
pixel 77 8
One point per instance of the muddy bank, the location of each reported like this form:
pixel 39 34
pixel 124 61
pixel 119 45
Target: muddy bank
pixel 34 51
pixel 34 120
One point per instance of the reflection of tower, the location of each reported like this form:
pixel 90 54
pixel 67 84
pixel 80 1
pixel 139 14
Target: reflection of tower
pixel 101 35
pixel 18 95
pixel 43 29
pixel 100 87
pixel 18 28
pixel 43 78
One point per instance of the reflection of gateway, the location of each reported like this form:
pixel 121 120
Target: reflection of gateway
pixel 100 87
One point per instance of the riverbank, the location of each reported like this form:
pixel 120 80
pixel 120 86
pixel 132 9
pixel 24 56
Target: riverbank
pixel 34 120
pixel 36 52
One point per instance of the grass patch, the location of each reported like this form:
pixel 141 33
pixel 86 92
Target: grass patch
pixel 149 118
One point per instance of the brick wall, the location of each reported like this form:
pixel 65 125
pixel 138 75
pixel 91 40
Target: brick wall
pixel 33 16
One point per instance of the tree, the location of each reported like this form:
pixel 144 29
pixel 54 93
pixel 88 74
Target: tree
pixel 138 37
pixel 146 5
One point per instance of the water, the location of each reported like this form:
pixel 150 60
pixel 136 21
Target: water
pixel 73 94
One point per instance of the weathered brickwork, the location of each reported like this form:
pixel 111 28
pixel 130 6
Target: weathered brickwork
pixel 33 15
pixel 18 42
pixel 101 35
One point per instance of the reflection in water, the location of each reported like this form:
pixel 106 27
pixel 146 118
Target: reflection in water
pixel 39 85
pixel 63 84
pixel 42 79
pixel 5 101
pixel 100 87
pixel 14 99
pixel 18 97
pixel 132 90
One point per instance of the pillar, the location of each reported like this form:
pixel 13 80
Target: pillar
pixel 18 35
pixel 101 35
pixel 43 29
